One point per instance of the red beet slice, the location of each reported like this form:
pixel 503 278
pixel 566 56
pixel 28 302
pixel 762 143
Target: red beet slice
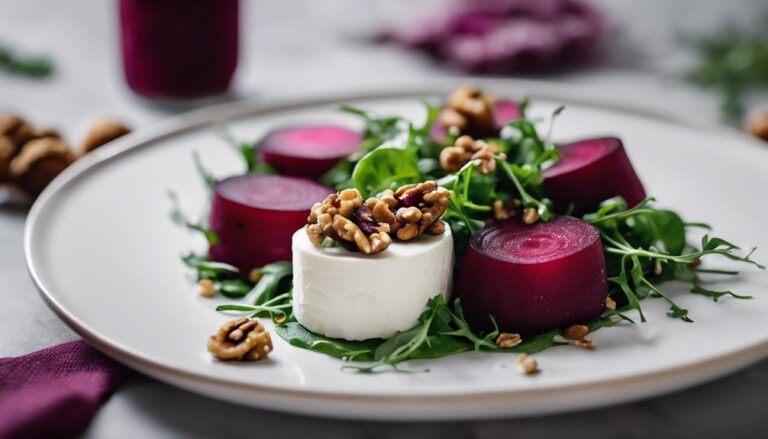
pixel 504 109
pixel 255 216
pixel 533 278
pixel 589 172
pixel 308 151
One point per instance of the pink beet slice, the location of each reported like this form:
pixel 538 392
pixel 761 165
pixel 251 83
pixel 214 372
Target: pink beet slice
pixel 255 216
pixel 504 109
pixel 308 151
pixel 533 278
pixel 589 172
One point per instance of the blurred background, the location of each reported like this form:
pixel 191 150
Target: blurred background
pixel 66 64
pixel 642 54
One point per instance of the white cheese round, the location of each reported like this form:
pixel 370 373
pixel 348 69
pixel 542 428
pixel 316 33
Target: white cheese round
pixel 341 294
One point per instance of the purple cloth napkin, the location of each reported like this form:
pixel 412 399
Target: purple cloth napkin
pixel 54 392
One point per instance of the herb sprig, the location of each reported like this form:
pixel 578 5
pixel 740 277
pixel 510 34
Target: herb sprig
pixel 29 66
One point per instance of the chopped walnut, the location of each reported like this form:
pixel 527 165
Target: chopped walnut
pixel 505 210
pixel 101 132
pixel 207 288
pixel 430 199
pixel 584 344
pixel 610 303
pixel 576 332
pixel 527 365
pixel 530 215
pixel 508 340
pixel 453 158
pixel 471 112
pixel 366 226
pixel 241 339
pixel 345 218
pixel 38 162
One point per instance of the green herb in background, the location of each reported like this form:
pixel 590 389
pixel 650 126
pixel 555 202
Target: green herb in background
pixel 29 66
pixel 733 63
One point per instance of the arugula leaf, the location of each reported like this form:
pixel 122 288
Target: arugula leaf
pixel 273 276
pixel 178 217
pixel 299 336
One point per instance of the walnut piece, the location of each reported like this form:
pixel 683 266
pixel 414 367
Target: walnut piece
pixel 241 339
pixel 527 365
pixel 7 151
pixel 453 158
pixel 508 340
pixel 18 130
pixel 757 125
pixel 471 112
pixel 102 131
pixel 576 332
pixel 366 226
pixel 345 218
pixel 38 162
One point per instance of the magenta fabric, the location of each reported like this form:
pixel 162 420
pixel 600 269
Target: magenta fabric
pixel 54 392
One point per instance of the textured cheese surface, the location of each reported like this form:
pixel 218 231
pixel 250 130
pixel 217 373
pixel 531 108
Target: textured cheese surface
pixel 348 295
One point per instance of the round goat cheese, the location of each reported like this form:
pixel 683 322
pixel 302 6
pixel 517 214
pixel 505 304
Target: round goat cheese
pixel 341 294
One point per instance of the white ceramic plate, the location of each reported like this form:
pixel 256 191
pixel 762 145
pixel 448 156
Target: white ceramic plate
pixel 105 256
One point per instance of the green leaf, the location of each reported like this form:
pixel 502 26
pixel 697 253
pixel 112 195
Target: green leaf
pixel 178 217
pixel 29 66
pixel 387 167
pixel 299 336
pixel 273 276
pixel 716 295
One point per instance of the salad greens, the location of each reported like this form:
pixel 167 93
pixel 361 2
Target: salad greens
pixel 644 246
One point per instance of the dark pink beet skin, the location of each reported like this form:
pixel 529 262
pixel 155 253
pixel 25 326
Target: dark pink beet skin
pixel 533 278
pixel 308 151
pixel 179 48
pixel 255 216
pixel 589 172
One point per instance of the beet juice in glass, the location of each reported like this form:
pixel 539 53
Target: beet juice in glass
pixel 179 48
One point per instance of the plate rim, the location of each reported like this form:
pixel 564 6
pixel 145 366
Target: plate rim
pixel 545 90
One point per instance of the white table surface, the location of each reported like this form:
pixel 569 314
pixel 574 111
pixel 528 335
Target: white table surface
pixel 293 48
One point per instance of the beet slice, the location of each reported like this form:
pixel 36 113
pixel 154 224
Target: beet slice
pixel 533 278
pixel 255 217
pixel 504 111
pixel 308 151
pixel 591 171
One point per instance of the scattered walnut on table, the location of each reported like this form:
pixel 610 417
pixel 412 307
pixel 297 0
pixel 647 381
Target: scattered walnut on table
pixel 38 162
pixel 102 131
pixel 241 339
pixel 7 151
pixel 18 130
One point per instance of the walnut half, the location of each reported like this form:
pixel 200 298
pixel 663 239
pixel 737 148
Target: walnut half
pixel 241 339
